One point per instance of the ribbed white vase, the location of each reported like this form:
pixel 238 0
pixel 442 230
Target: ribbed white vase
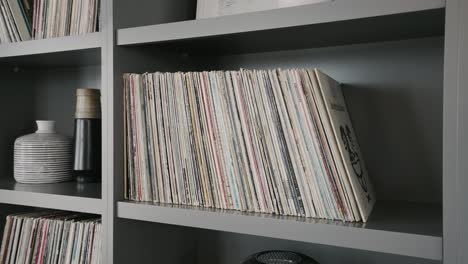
pixel 43 157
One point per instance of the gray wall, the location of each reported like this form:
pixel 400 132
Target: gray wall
pixel 142 12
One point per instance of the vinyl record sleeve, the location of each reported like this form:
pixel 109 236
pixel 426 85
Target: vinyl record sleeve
pixel 347 143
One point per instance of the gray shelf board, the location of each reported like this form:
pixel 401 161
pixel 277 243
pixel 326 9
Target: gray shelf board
pixel 399 228
pixel 69 196
pixel 326 24
pixel 63 51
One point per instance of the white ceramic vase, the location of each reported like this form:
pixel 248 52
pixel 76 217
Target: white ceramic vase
pixel 43 157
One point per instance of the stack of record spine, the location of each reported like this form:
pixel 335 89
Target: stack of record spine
pixel 269 141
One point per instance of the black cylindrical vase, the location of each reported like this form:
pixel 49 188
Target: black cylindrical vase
pixel 87 162
pixel 87 136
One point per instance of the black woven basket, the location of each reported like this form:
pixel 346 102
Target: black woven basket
pixel 279 257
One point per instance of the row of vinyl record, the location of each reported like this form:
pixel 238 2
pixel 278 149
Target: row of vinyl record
pixel 37 19
pixel 269 141
pixel 51 237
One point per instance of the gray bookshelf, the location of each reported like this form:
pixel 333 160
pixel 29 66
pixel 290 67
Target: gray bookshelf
pixel 419 234
pixel 54 45
pixel 39 82
pixel 62 196
pixel 323 24
pixel 404 67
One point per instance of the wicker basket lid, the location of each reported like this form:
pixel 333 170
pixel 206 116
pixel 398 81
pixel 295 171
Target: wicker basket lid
pixel 279 257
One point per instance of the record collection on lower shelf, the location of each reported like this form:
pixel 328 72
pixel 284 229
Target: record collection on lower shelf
pixel 51 237
pixel 269 141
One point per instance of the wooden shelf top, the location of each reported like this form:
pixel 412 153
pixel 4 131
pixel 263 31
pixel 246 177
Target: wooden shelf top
pixel 397 228
pixel 312 25
pixel 70 196
pixel 70 50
